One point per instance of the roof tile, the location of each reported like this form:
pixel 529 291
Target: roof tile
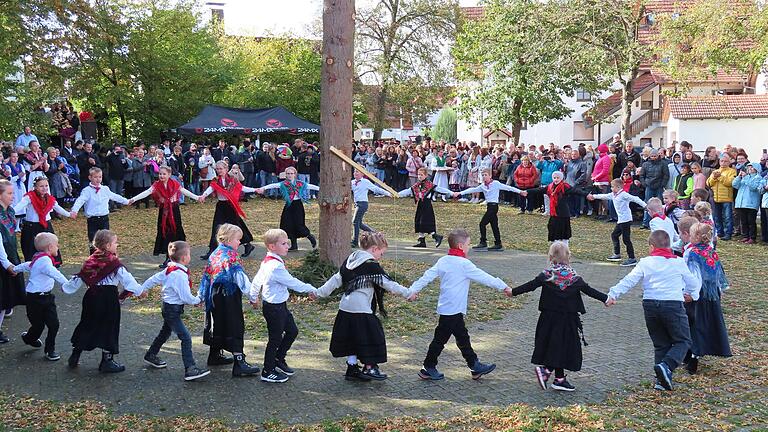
pixel 719 107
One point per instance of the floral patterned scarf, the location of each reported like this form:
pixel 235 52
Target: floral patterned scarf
pixel 422 189
pixel 561 275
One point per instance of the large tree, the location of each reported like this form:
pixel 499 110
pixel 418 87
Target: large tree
pixel 445 127
pixel 336 120
pixel 513 68
pixel 401 51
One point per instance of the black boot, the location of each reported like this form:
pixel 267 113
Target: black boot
pixel 74 359
pixel 108 364
pixel 248 249
pixel 421 244
pixel 438 239
pixel 355 374
pixel 217 358
pixel 165 263
pixel 242 368
pixel 312 240
pixel 206 255
pixel 294 245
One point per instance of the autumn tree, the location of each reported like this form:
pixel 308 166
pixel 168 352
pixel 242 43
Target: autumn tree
pixel 513 68
pixel 401 51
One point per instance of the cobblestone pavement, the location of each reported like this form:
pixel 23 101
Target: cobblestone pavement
pixel 619 353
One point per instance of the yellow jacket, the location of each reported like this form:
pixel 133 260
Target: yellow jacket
pixel 721 187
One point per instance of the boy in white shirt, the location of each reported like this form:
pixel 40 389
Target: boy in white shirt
pixel 662 275
pixel 177 291
pixel 621 200
pixel 96 197
pixel 455 272
pixel 660 221
pixel 360 188
pixel 272 282
pixel 41 303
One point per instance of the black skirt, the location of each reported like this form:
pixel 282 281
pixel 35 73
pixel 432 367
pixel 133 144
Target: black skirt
pixel 161 242
pixel 226 214
pixel 28 232
pixel 558 344
pixel 559 228
pixel 292 220
pixel 99 325
pixel 424 222
pixel 709 335
pixel 12 291
pixel 224 323
pixel 359 334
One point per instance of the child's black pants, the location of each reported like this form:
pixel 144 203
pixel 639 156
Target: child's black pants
pixel 41 312
pixel 491 216
pixel 449 325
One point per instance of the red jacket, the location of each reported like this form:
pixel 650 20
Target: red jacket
pixel 525 177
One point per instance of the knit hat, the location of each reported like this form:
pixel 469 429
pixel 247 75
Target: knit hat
pixel 654 152
pixel 602 149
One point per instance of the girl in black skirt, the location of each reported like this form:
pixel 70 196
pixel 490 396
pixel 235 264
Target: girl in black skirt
pixel 558 344
pixel 37 205
pixel 559 224
pixel 166 192
pixel 221 289
pixel 357 331
pixel 12 291
pixel 228 211
pixel 99 325
pixel 292 220
pixel 424 222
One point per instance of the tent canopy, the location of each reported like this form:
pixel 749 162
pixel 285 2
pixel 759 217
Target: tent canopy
pixel 215 119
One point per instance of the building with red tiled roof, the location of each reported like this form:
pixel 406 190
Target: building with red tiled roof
pixel 719 107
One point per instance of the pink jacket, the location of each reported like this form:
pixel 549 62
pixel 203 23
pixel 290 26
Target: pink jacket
pixel 602 170
pixel 413 165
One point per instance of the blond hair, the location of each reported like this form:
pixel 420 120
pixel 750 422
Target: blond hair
pixel 44 239
pixel 292 169
pixel 102 238
pixel 701 233
pixel 227 232
pixel 619 183
pixel 166 168
pixel 221 163
pixel 273 236
pixel 94 170
pixel 177 250
pixel 703 208
pixel 659 239
pixel 457 237
pixel 422 170
pixel 371 239
pixel 685 224
pixel 670 192
pixel 5 184
pixel 654 205
pixel 559 253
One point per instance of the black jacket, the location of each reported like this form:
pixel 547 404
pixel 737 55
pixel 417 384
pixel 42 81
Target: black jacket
pixel 555 299
pixel 117 164
pixel 85 165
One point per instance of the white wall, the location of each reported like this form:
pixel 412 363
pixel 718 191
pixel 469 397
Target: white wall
pixel 750 134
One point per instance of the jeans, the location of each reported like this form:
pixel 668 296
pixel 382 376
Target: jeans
pixel 194 187
pixel 172 323
pixel 449 325
pixel 282 332
pixel 361 207
pixel 266 179
pixel 722 213
pixel 546 204
pixel 116 186
pixel 380 174
pixel 181 182
pixel 668 328
pixel 651 193
pixel 304 178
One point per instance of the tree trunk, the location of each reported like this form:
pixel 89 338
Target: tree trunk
pixel 627 97
pixel 517 125
pixel 336 129
pixel 379 117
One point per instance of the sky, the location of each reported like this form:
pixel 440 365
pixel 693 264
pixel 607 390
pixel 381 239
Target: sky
pixel 299 18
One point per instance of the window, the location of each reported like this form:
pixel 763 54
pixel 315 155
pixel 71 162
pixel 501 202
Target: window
pixel 583 96
pixel 583 133
pixel 646 104
pixel 726 92
pixel 524 125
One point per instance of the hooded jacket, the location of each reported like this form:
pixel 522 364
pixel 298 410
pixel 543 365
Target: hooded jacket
pixel 750 187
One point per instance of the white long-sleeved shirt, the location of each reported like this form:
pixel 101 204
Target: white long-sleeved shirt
pixel 297 197
pixel 175 283
pixel 662 279
pixel 148 192
pixel 359 300
pixel 409 191
pixel 31 215
pixel 209 191
pixel 42 275
pixel 361 187
pixel 121 277
pixel 455 274
pixel 666 224
pixel 621 202
pixel 491 190
pixel 96 199
pixel 273 281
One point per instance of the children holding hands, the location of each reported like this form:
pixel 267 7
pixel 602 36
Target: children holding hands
pixel 621 200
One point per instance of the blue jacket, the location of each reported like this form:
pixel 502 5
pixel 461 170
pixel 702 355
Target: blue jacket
pixel 765 193
pixel 547 168
pixel 750 188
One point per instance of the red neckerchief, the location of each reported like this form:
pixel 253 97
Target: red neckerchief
pixel 39 255
pixel 165 195
pixel 98 266
pixel 42 206
pixel 555 192
pixel 661 216
pixel 97 187
pixel 231 192
pixel 269 258
pixel 422 188
pixel 172 268
pixel 488 185
pixel 357 182
pixel 663 252
pixel 457 252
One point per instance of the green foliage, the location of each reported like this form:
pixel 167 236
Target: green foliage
pixel 445 128
pixel 712 35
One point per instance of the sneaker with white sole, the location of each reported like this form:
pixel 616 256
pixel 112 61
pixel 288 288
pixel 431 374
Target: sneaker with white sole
pixel 629 262
pixel 480 369
pixel 657 386
pixel 52 356
pixel 430 373
pixel 283 367
pixel 664 375
pixel 562 384
pixel 543 374
pixel 154 361
pixel 193 372
pixel 274 377
pixel 614 258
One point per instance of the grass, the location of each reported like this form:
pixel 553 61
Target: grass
pixel 727 394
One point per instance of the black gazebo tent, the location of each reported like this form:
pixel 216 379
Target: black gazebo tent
pixel 215 119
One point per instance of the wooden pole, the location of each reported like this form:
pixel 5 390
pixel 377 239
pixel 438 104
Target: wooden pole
pixel 360 168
